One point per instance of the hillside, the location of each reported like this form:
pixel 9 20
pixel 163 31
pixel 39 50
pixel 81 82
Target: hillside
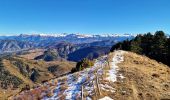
pixel 49 55
pixel 88 52
pixel 63 48
pixel 31 54
pixel 145 79
pixel 71 52
pixel 120 75
pixel 17 72
pixel 14 45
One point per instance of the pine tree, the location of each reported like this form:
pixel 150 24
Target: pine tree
pixel 135 45
pixel 146 45
pixel 159 45
pixel 168 50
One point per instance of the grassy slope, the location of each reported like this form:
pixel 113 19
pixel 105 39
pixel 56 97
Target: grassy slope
pixel 145 79
pixel 14 71
pixel 41 66
pixel 33 53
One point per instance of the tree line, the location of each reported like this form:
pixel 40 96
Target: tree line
pixel 155 46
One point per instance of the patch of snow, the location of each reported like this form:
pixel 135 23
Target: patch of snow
pixel 106 98
pixel 118 57
pixel 106 87
pixel 74 86
pixel 121 76
pixel 56 92
pixel 86 78
pixel 88 98
pixel 112 75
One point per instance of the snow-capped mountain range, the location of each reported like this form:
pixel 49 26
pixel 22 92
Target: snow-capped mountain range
pixel 73 38
pixel 78 35
pixel 27 41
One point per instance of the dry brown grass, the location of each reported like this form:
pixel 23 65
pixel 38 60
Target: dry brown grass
pixel 14 71
pixel 42 66
pixel 4 94
pixel 33 53
pixel 145 79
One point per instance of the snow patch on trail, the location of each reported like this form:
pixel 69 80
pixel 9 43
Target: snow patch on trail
pixel 106 98
pixel 56 93
pixel 74 86
pixel 86 76
pixel 106 87
pixel 118 58
pixel 75 82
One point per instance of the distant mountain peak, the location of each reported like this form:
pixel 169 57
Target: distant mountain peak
pixel 78 35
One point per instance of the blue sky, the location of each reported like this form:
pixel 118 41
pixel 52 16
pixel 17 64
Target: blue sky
pixel 84 16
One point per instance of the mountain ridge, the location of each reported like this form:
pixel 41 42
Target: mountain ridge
pixel 16 43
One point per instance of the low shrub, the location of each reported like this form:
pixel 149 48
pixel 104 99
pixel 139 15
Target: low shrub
pixel 85 63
